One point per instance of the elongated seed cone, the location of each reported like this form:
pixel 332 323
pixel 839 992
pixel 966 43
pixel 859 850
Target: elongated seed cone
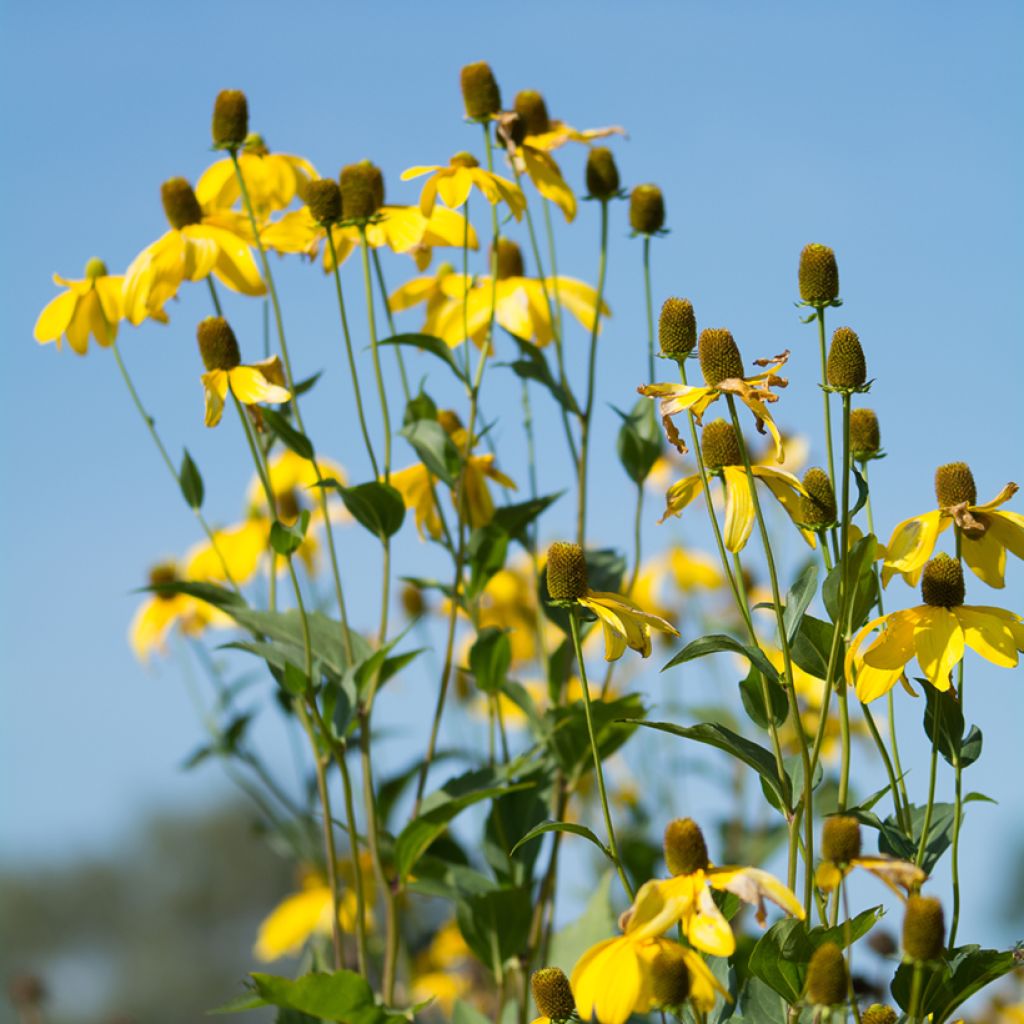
pixel 826 976
pixel 530 106
pixel 924 928
pixel 230 119
pixel 323 197
pixel 180 204
pixel 510 259
pixel 685 848
pixel 720 445
pixel 876 1013
pixel 567 572
pixel 552 994
pixel 602 174
pixel 942 582
pixel 818 506
pixel 646 209
pixel 846 367
pixel 840 838
pixel 719 357
pixel 865 436
pixel 954 485
pixel 362 190
pixel 480 91
pixel 818 274
pixel 670 977
pixel 677 328
pixel 95 268
pixel 217 344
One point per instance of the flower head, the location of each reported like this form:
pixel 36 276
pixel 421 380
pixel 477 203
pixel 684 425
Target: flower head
pixel 480 92
pixel 546 133
pixel 818 275
pixel 840 848
pixel 924 928
pixel 647 210
pixel 454 182
pixel 89 306
pixel 865 435
pixel 230 119
pixel 846 369
pixel 827 976
pixel 677 328
pixel 602 174
pixel 553 995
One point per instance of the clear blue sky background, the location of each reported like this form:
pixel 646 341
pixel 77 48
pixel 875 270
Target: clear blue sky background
pixel 891 132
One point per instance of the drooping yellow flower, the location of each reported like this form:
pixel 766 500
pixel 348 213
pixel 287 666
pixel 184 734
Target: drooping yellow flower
pixel 536 163
pixel 546 134
pixel 840 847
pixel 986 531
pixel 454 182
pixel 198 244
pixel 614 978
pixel 936 633
pixel 261 382
pixel 235 550
pixel 694 570
pixel 161 612
pixel 624 624
pixel 722 367
pixel 272 180
pixel 722 458
pixel 90 306
pixel 693 877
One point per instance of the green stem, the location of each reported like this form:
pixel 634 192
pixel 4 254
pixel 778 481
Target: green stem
pixel 362 956
pixel 914 1012
pixel 958 802
pixel 650 307
pixel 378 374
pixel 845 604
pixel 901 815
pixel 824 379
pixel 399 358
pixel 574 627
pixel 926 826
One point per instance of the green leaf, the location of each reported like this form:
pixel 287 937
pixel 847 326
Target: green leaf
pixel 514 519
pixel 799 597
pixel 863 583
pixel 302 386
pixel 510 816
pixel 811 645
pixel 489 659
pixel 435 448
pixel 463 1013
pixel 286 540
pixel 970 746
pixel 487 549
pixel 246 1001
pixel 717 642
pixel 944 721
pixel 496 924
pixel 420 407
pixel 963 972
pixel 288 435
pixel 750 753
pixel 752 691
pixel 564 731
pixel 441 806
pixel 295 681
pixel 639 440
pixel 428 343
pixel 340 996
pixel 892 840
pixel 376 505
pixel 862 492
pixel 533 366
pixel 191 481
pixel 564 826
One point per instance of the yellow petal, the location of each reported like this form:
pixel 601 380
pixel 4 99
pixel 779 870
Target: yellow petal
pixel 1008 528
pixel 454 188
pixel 828 876
pixel 939 643
pixel 292 922
pixel 739 508
pixel 250 386
pixel 754 886
pixel 607 981
pixel 55 317
pixel 215 390
pixel 680 494
pixel 989 635
pixel 547 177
pixel 912 543
pixel 707 929
pixel 985 557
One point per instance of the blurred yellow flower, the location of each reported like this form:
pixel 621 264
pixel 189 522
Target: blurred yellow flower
pixel 454 182
pixel 238 548
pixel 439 971
pixel 694 570
pixel 542 132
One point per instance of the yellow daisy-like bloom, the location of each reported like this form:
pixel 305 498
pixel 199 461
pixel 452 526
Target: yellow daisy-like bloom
pixel 160 613
pixel 986 531
pixel 722 458
pixel 536 163
pixel 840 846
pixel 90 306
pixel 261 382
pixel 201 242
pixel 544 133
pixel 613 979
pixel 238 548
pixel 693 877
pixel 426 291
pixel 454 182
pixel 272 180
pixel 417 485
pixel 694 570
pixel 722 366
pixel 936 633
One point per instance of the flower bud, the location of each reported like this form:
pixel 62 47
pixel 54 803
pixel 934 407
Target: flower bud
pixel 846 367
pixel 865 437
pixel 719 445
pixel 552 994
pixel 954 485
pixel 530 106
pixel 480 91
pixel 942 584
pixel 876 1013
pixel 924 928
pixel 509 259
pixel 818 506
pixel 646 210
pixel 685 849
pixel 230 119
pixel 840 838
pixel 670 976
pixel 217 344
pixel 719 357
pixel 180 204
pixel 818 275
pixel 362 190
pixel 95 268
pixel 602 175
pixel 323 197
pixel 464 159
pixel 567 572
pixel 255 144
pixel 826 976
pixel 677 328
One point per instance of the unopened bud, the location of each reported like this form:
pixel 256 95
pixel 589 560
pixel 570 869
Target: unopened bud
pixel 685 849
pixel 954 485
pixel 942 583
pixel 818 506
pixel 677 328
pixel 840 838
pixel 480 91
pixel 217 344
pixel 567 572
pixel 362 190
pixel 826 976
pixel 323 197
pixel 924 928
pixel 846 366
pixel 720 445
pixel 552 994
pixel 180 204
pixel 865 436
pixel 530 106
pixel 230 119
pixel 646 210
pixel 818 274
pixel 719 357
pixel 602 175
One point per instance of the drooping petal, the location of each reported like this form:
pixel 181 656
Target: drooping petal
pixel 754 886
pixel 579 298
pixel 939 643
pixel 55 317
pixel 607 981
pixel 899 875
pixel 547 178
pixel 739 508
pixel 912 543
pixel 215 390
pixel 989 635
pixel 616 632
pixel 454 187
pixel 680 494
pixel 1008 491
pixel 250 386
pixel 985 557
pixel 828 875
pixel 707 929
pixel 1008 528
pixel 235 264
pixel 788 491
pixel 876 670
pixel 291 923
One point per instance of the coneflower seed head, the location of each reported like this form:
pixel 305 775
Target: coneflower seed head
pixel 646 209
pixel 840 838
pixel 846 367
pixel 480 92
pixel 865 436
pixel 677 327
pixel 954 485
pixel 685 848
pixel 230 119
pixel 670 976
pixel 942 583
pixel 818 506
pixel 323 197
pixel 530 106
pixel 602 175
pixel 552 994
pixel 719 357
pixel 719 445
pixel 567 572
pixel 180 204
pixel 818 274
pixel 924 928
pixel 362 190
pixel 826 976
pixel 217 344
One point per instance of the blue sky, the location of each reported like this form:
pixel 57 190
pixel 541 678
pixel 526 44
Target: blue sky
pixel 890 132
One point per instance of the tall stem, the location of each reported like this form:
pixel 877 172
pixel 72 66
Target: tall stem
pixel 382 396
pixel 845 604
pixel 958 802
pixel 929 807
pixel 826 396
pixel 650 307
pixel 399 358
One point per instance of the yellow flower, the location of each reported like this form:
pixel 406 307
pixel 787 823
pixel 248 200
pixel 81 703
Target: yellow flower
pixel 613 979
pixel 437 973
pixel 160 613
pixel 272 180
pixel 986 531
pixel 538 165
pixel 454 183
pixel 840 845
pixel 239 548
pixel 722 458
pixel 694 570
pixel 935 632
pixel 261 382
pixel 689 890
pixel 544 133
pixel 91 305
pixel 197 245
pixel 722 367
